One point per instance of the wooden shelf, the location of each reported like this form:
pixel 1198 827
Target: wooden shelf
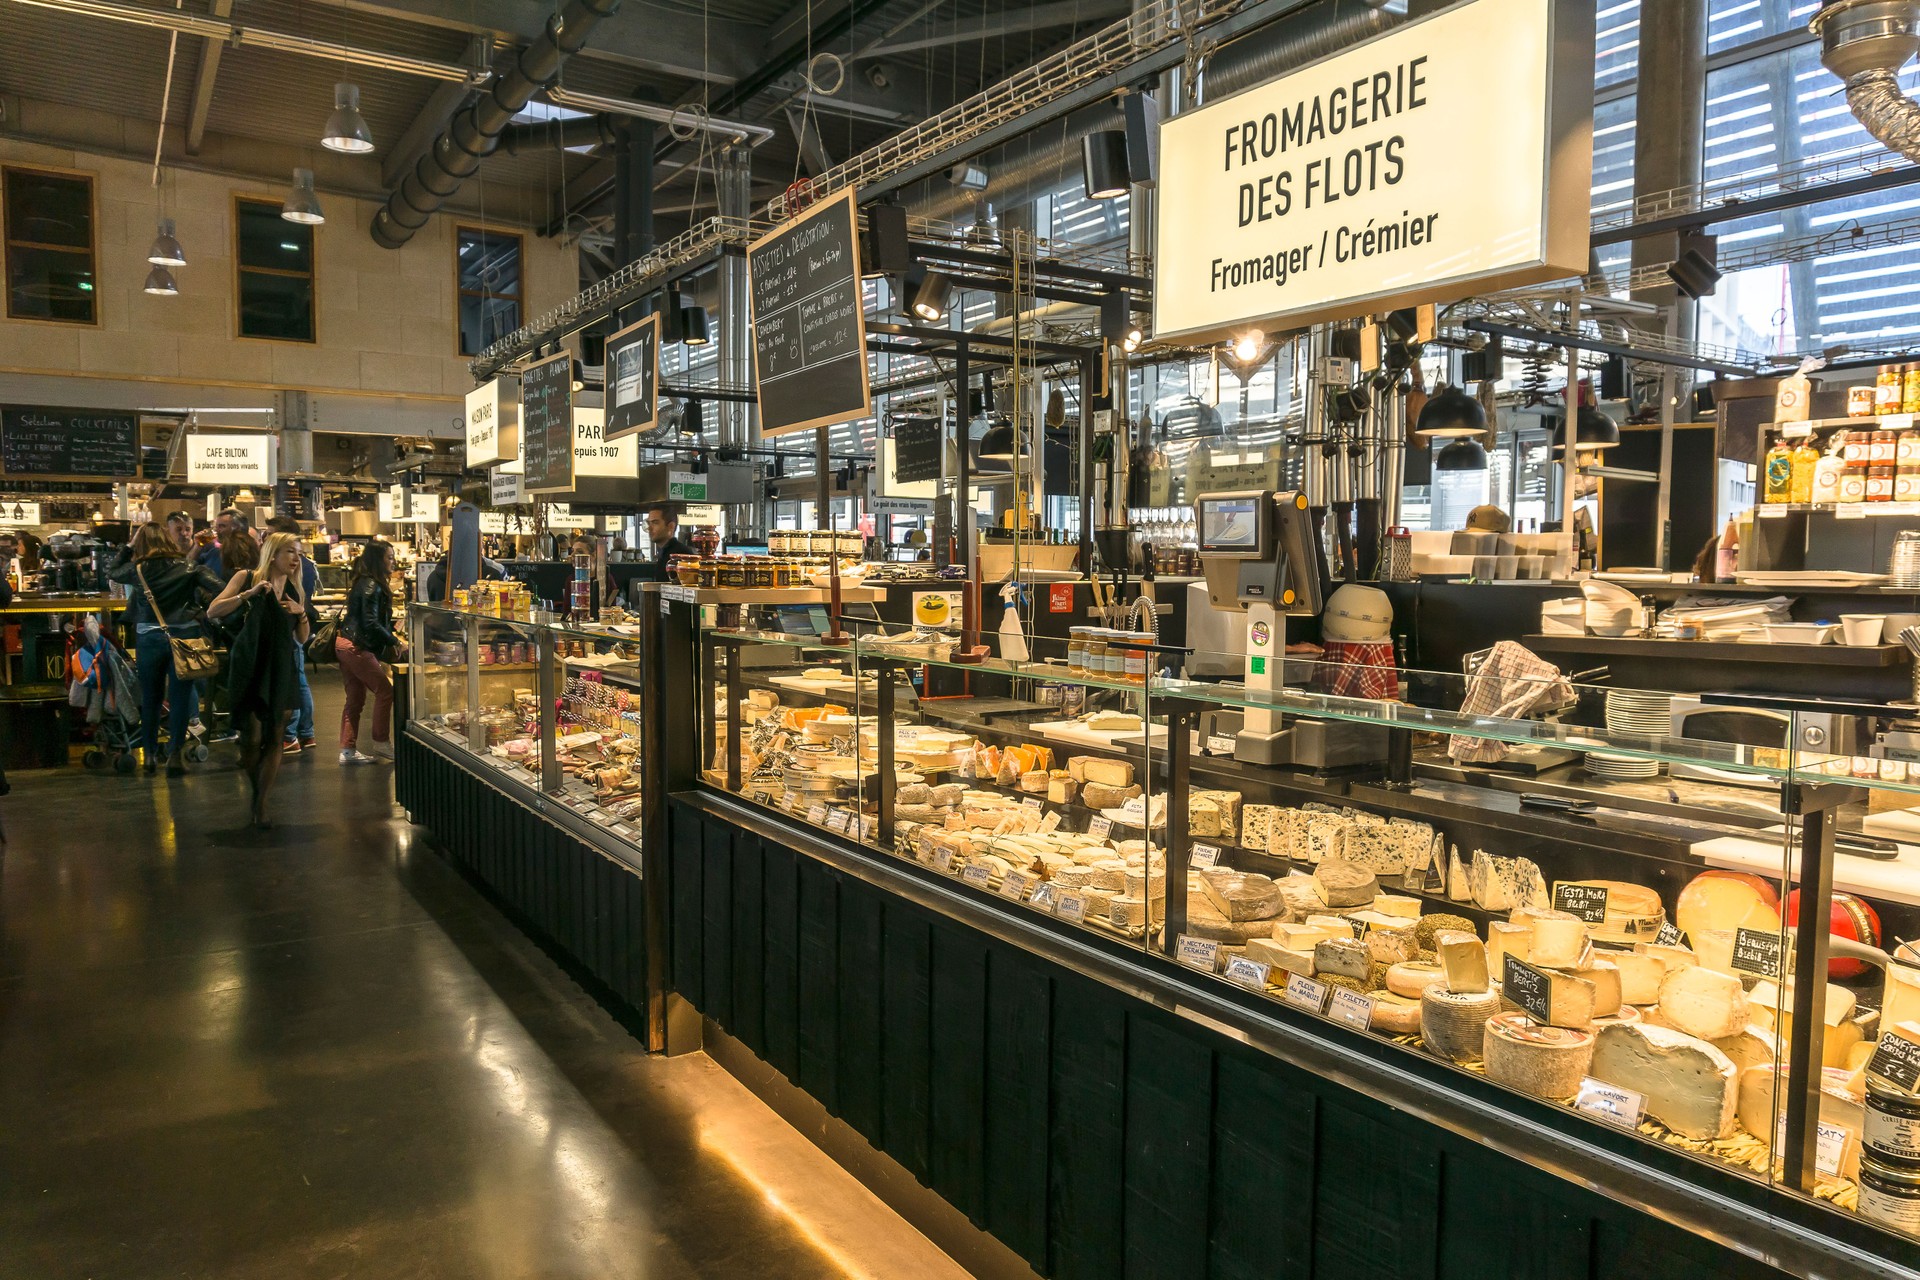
pixel 1819 655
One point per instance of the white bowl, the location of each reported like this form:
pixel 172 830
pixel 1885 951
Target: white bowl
pixel 1861 629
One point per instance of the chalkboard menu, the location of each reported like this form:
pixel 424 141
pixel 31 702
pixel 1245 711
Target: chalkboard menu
pixel 633 378
pixel 39 440
pixel 546 425
pixel 916 450
pixel 809 330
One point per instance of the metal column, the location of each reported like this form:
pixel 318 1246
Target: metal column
pixel 1672 90
pixel 632 201
pixel 739 424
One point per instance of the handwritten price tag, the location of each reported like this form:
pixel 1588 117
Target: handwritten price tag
pixel 817 814
pixel 1015 885
pixel 839 820
pixel 1610 1102
pixel 978 876
pixel 1206 855
pixel 1043 896
pixel 1098 828
pixel 1198 953
pixel 1034 803
pixel 1071 906
pixel 1351 1008
pixel 1251 974
pixel 1049 823
pixel 1303 992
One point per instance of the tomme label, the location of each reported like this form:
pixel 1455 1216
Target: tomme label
pixel 1303 992
pixel 1350 1007
pixel 1015 885
pixel 1610 1102
pixel 1251 974
pixel 1587 901
pixel 1756 952
pixel 1897 1061
pixel 1198 953
pixel 1205 855
pixel 1529 988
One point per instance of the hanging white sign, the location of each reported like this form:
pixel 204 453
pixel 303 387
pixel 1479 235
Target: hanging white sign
pixel 493 424
pixel 595 455
pixel 15 514
pixel 393 507
pixel 1344 188
pixel 230 458
pixel 504 488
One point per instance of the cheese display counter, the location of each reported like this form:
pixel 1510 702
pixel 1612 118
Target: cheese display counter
pixel 1525 894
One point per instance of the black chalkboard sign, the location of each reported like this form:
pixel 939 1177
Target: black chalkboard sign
pixel 1757 952
pixel 633 378
pixel 546 425
pixel 1897 1061
pixel 41 440
pixel 1669 935
pixel 916 450
pixel 1529 988
pixel 1587 901
pixel 809 327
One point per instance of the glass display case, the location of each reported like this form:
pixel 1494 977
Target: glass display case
pixel 1587 894
pixel 551 709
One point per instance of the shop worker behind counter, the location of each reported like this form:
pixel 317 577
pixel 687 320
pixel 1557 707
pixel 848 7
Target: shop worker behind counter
pixel 663 527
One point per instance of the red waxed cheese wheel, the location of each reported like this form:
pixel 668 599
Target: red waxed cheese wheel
pixel 1849 917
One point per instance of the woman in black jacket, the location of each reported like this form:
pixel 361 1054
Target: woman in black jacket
pixel 365 638
pixel 156 575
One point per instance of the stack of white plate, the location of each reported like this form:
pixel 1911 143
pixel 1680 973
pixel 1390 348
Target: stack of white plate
pixel 1633 713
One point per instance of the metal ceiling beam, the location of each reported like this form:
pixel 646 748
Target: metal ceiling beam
pixel 433 116
pixel 204 79
pixel 1033 18
pixel 806 132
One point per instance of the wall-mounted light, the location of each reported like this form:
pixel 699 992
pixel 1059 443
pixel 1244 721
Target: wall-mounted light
pixel 166 250
pixel 1246 347
pixel 930 299
pixel 346 128
pixel 302 204
pixel 1134 337
pixel 968 177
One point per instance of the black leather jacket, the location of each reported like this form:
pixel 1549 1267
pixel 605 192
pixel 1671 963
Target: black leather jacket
pixel 369 618
pixel 181 589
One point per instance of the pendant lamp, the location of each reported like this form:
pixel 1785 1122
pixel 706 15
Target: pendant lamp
pixel 346 128
pixel 302 204
pixel 166 250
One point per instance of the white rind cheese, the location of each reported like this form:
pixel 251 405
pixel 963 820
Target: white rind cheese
pixel 1547 1062
pixel 1703 1002
pixel 1453 1023
pixel 1689 1085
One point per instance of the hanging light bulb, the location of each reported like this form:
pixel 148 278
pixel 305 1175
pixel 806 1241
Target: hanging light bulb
pixel 1131 343
pixel 166 251
pixel 160 283
pixel 302 204
pixel 346 128
pixel 1246 347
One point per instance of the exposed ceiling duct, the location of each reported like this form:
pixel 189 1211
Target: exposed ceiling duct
pixel 1865 43
pixel 1030 167
pixel 457 152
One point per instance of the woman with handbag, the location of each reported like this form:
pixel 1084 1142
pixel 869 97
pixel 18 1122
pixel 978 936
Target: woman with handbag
pixel 167 594
pixel 263 688
pixel 366 636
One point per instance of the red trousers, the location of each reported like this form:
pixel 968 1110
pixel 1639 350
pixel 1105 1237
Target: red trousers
pixel 364 675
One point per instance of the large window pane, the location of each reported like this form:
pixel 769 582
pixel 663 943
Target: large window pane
pixel 268 241
pixel 276 306
pixel 1732 23
pixel 275 277
pixel 487 272
pixel 1616 49
pixel 49 246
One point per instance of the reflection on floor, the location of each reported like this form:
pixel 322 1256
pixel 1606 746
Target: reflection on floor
pixel 318 1052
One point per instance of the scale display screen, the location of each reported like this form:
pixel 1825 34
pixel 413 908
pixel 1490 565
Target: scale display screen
pixel 1231 524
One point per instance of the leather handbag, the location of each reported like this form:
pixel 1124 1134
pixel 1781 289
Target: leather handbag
pixel 194 657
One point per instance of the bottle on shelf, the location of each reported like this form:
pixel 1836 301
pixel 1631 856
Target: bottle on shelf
pixel 1805 458
pixel 1888 390
pixel 1906 467
pixel 1778 482
pixel 1910 389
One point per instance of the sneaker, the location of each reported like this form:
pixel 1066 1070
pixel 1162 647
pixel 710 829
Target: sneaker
pixel 308 744
pixel 291 747
pixel 350 756
pixel 380 750
pixel 231 736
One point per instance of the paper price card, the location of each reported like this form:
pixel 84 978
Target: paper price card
pixel 1830 1146
pixel 1251 974
pixel 1071 906
pixel 1610 1102
pixel 1219 745
pixel 1099 827
pixel 817 814
pixel 1198 953
pixel 1015 885
pixel 1033 802
pixel 978 876
pixel 869 827
pixel 839 820
pixel 1303 992
pixel 622 829
pixel 1587 901
pixel 604 819
pixel 1205 855
pixel 1049 823
pixel 1043 896
pixel 1351 1008
pixel 1757 952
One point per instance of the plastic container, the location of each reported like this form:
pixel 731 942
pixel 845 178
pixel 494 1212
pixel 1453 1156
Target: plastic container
pixel 1861 629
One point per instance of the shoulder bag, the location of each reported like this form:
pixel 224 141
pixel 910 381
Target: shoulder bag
pixel 194 657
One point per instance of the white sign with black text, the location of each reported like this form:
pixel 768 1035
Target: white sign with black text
pixel 231 458
pixel 595 455
pixel 493 424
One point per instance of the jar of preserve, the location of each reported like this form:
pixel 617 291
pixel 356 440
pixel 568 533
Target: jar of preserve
pixel 1890 1194
pixel 1093 658
pixel 1077 648
pixel 1891 1130
pixel 1880 482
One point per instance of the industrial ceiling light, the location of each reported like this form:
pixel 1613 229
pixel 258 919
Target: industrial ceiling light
pixel 930 299
pixel 166 251
pixel 346 128
pixel 302 204
pixel 1131 343
pixel 998 443
pixel 1461 454
pixel 160 283
pixel 1103 154
pixel 968 177
pixel 693 325
pixel 690 424
pixel 1451 414
pixel 1696 271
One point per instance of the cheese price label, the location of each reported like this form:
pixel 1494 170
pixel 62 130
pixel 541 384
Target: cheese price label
pixel 1304 993
pixel 978 876
pixel 1049 823
pixel 1098 828
pixel 622 829
pixel 838 820
pixel 1669 936
pixel 1829 1146
pixel 760 795
pixel 1897 1061
pixel 1610 1102
pixel 816 814
pixel 1205 855
pixel 1587 901
pixel 956 861
pixel 1043 896
pixel 1251 974
pixel 1351 1008
pixel 1198 953
pixel 1529 988
pixel 604 819
pixel 1071 906
pixel 1015 885
pixel 1033 802
pixel 1757 952
pixel 869 828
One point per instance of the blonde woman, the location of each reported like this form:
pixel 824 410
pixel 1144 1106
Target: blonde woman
pixel 263 681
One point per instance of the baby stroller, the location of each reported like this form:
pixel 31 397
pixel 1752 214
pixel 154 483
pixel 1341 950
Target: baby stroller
pixel 111 689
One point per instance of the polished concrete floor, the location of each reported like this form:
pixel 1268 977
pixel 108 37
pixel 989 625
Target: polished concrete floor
pixel 317 1052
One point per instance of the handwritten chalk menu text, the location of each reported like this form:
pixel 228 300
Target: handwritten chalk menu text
pixel 546 425
pixel 633 378
pixel 809 331
pixel 39 440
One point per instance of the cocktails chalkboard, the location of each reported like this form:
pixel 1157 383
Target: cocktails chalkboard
pixel 633 378
pixel 546 425
pixel 809 328
pixel 40 440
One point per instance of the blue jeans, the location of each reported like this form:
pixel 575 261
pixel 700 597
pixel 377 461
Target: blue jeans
pixel 300 727
pixel 153 663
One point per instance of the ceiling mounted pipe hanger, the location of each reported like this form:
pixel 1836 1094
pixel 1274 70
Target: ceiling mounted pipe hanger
pixel 682 119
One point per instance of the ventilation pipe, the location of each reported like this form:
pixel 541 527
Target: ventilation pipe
pixel 1865 43
pixel 457 152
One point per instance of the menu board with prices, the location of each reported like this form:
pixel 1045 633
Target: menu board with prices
pixel 41 440
pixel 546 425
pixel 809 325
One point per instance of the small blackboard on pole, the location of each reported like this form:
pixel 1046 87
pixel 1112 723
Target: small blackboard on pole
pixel 633 378
pixel 546 425
pixel 809 322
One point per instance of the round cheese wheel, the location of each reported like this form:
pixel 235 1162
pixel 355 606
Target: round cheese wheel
pixel 1411 977
pixel 1394 1016
pixel 1547 1062
pixel 1726 900
pixel 1343 884
pixel 1453 1023
pixel 1848 917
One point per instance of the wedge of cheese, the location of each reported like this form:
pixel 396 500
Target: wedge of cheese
pixel 1762 1100
pixel 1726 900
pixel 1558 940
pixel 1281 958
pixel 1640 976
pixel 1689 1084
pixel 1703 1002
pixel 1464 963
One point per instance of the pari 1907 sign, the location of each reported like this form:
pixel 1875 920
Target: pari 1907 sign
pixel 1452 155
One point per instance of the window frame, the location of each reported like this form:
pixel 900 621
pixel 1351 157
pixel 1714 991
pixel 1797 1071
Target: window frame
pixel 519 299
pixel 235 200
pixel 93 241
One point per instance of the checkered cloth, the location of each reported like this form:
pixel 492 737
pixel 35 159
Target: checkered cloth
pixel 1357 669
pixel 1510 684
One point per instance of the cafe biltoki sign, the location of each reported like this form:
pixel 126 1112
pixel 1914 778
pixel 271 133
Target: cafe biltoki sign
pixel 1452 155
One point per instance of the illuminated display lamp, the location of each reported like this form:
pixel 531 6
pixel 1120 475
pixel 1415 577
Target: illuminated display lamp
pixel 160 283
pixel 998 443
pixel 968 177
pixel 1593 430
pixel 166 250
pixel 302 204
pixel 1134 337
pixel 1463 453
pixel 1450 414
pixel 347 129
pixel 1103 155
pixel 1246 347
pixel 693 326
pixel 690 424
pixel 930 298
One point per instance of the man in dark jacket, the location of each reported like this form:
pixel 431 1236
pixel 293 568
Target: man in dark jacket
pixel 663 527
